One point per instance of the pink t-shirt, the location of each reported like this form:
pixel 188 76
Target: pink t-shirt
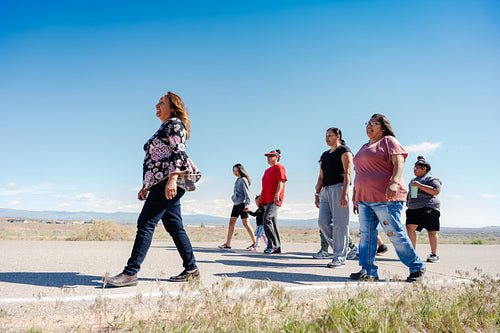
pixel 373 168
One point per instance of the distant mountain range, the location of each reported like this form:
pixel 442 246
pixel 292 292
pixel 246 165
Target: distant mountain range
pixel 61 215
pixel 123 217
pixel 191 220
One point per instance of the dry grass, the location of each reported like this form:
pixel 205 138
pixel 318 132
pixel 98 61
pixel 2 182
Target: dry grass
pixel 472 306
pixel 36 231
pixel 267 308
pixel 107 230
pixel 101 231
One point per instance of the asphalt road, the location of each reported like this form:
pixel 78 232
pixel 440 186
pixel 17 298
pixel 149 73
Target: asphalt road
pixel 38 277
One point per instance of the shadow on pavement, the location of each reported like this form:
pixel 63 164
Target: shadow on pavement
pixel 51 279
pixel 60 279
pixel 274 263
pixel 238 251
pixel 296 278
pixel 251 254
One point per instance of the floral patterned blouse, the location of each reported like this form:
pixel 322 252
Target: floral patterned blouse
pixel 166 154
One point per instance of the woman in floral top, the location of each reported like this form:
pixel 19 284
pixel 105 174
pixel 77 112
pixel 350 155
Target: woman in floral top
pixel 167 173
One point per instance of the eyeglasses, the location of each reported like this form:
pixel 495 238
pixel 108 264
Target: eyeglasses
pixel 372 123
pixel 419 167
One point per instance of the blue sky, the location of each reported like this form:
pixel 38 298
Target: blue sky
pixel 79 81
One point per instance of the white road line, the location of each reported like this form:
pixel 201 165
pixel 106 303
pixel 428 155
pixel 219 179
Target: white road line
pixel 349 285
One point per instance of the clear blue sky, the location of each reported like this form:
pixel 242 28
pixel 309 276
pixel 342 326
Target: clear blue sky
pixel 79 81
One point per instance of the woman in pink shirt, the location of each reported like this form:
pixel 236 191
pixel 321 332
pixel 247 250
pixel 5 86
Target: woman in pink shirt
pixel 378 196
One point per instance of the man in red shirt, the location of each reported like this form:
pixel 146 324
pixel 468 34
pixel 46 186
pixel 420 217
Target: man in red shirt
pixel 273 193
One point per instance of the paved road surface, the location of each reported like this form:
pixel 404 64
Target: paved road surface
pixel 43 276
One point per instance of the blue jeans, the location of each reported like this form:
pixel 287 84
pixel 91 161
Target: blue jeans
pixel 389 215
pixel 157 207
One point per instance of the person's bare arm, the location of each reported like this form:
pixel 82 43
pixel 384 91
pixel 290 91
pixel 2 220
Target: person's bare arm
pixel 398 162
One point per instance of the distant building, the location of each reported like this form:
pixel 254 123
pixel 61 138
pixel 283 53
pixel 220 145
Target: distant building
pixel 18 221
pixel 55 222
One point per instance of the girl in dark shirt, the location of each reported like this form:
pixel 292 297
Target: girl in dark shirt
pixel 259 218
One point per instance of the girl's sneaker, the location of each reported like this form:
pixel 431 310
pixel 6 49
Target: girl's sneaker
pixel 271 251
pixel 433 258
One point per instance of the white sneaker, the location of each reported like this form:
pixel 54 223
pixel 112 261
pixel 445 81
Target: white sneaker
pixel 322 255
pixel 336 264
pixel 433 258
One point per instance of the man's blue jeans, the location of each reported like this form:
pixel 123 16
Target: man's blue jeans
pixel 389 215
pixel 155 208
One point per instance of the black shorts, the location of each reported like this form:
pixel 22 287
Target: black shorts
pixel 425 218
pixel 238 211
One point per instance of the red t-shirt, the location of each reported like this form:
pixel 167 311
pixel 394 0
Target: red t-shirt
pixel 373 168
pixel 270 180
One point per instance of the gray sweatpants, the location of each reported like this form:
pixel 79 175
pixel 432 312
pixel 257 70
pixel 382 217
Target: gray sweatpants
pixel 333 221
pixel 271 226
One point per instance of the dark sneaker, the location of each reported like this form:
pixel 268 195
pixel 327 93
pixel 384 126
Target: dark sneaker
pixel 433 258
pixel 353 253
pixel 121 280
pixel 416 276
pixel 185 276
pixel 322 255
pixel 271 251
pixel 335 264
pixel 382 249
pixel 362 276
